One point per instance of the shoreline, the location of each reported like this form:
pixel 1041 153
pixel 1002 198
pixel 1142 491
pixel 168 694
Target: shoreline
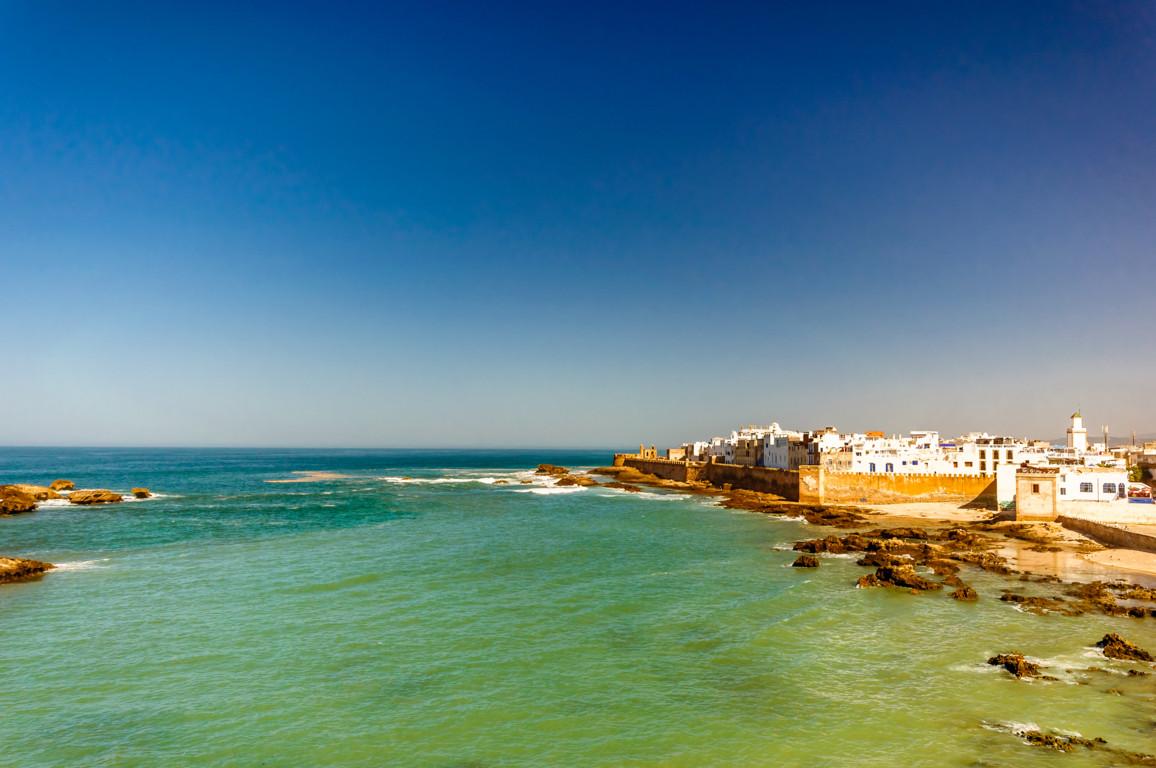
pixel 1044 550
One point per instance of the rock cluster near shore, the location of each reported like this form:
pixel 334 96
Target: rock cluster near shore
pixel 22 498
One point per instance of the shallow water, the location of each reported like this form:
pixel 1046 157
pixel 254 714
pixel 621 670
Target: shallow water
pixel 394 617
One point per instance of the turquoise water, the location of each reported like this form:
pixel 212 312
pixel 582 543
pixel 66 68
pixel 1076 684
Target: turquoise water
pixel 446 620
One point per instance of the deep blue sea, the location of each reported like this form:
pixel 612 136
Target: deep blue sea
pixel 429 608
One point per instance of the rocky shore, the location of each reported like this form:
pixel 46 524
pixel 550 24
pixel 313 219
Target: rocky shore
pixel 23 498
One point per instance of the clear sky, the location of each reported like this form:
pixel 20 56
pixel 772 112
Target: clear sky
pixel 435 224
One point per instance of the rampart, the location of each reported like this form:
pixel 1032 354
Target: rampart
pixel 861 488
pixel 814 485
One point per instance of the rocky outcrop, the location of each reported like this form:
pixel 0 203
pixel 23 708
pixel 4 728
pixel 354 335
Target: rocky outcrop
pixel 95 496
pixel 14 502
pixel 37 492
pixel 62 485
pixel 903 576
pixel 551 469
pixel 1116 647
pixel 141 493
pixel 965 594
pixel 18 569
pixel 806 561
pixel 571 479
pixel 1016 664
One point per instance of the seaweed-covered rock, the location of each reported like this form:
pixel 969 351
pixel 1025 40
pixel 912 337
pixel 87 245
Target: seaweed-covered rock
pixel 1116 647
pixel 806 561
pixel 95 496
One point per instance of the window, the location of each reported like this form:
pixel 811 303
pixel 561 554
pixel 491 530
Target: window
pixel 871 467
pixel 1035 487
pixel 1086 488
pixel 1009 455
pixel 914 462
pixel 890 467
pixel 1110 488
pixel 1063 491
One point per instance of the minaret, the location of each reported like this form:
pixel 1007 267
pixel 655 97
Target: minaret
pixel 1077 435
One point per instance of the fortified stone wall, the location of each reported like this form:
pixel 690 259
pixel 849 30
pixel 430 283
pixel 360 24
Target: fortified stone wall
pixel 814 485
pixel 855 488
pixel 781 482
pixel 681 471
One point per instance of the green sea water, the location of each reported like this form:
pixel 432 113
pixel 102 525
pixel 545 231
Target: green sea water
pixel 419 613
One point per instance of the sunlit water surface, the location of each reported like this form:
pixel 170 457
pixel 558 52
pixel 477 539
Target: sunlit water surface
pixel 420 613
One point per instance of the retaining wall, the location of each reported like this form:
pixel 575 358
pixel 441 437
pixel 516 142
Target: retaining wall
pixel 1111 534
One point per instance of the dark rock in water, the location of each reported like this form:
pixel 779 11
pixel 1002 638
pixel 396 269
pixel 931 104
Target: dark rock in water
pixel 1016 664
pixel 1040 605
pixel 1116 647
pixel 96 496
pixel 877 559
pixel 18 569
pixel 806 561
pixel 1057 742
pixel 904 576
pixel 13 502
pixel 62 485
pixel 551 469
pixel 623 487
pixel 142 493
pixel 966 594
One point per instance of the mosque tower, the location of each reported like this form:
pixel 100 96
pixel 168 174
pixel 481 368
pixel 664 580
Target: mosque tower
pixel 1077 435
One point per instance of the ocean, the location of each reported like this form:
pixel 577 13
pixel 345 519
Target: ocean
pixel 421 612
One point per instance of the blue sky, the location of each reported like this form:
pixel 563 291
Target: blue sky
pixel 435 224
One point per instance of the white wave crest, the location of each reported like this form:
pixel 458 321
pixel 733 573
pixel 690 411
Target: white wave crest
pixel 81 565
pixel 551 490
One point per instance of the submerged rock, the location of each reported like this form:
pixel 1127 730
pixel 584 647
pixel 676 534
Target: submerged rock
pixel 1116 647
pixel 623 487
pixel 1060 743
pixel 806 561
pixel 581 480
pixel 13 502
pixel 19 569
pixel 95 496
pixel 62 485
pixel 142 493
